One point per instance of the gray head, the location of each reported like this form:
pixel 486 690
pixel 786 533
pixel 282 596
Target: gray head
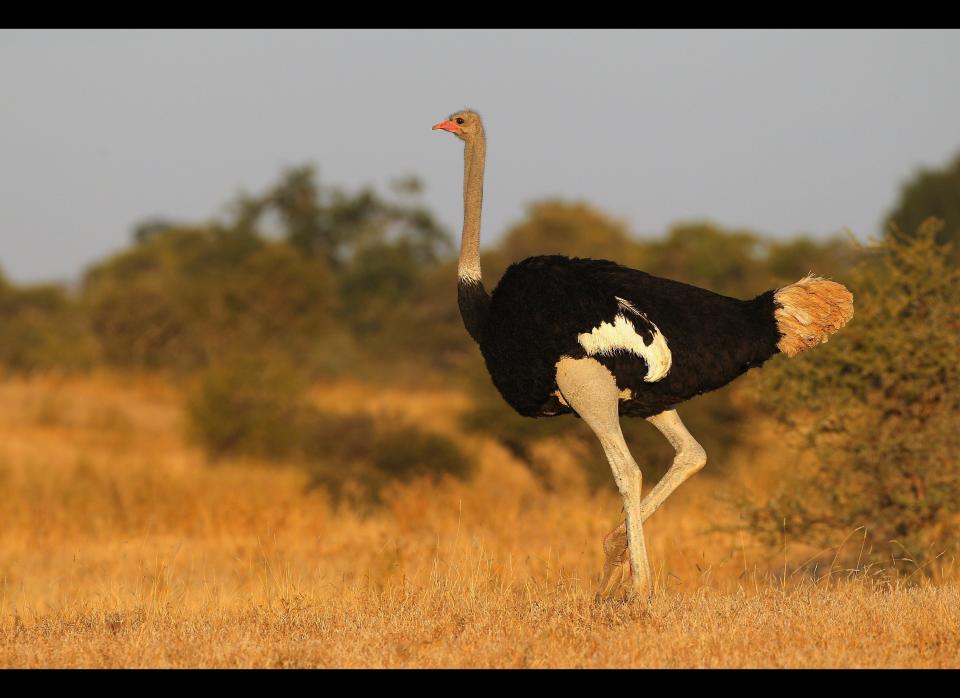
pixel 464 124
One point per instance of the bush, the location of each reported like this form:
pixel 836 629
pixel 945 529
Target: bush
pixel 257 407
pixel 879 406
pixel 184 296
pixel 247 406
pixel 355 457
pixel 932 192
pixel 41 327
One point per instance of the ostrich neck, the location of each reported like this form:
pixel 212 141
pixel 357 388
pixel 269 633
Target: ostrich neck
pixel 471 296
pixel 473 160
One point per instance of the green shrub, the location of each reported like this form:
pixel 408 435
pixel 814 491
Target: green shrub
pixel 247 406
pixel 41 327
pixel 932 191
pixel 185 296
pixel 254 406
pixel 879 406
pixel 356 456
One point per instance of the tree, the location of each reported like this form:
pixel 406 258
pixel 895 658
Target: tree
pixel 334 225
pixel 789 260
pixel 727 262
pixel 932 192
pixel 41 328
pixel 558 227
pixel 184 297
pixel 878 405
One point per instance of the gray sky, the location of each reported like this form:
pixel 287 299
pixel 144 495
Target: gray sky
pixel 782 132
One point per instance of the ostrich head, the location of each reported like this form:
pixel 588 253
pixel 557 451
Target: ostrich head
pixel 465 125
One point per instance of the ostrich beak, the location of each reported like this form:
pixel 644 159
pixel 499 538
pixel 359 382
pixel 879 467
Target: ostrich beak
pixel 446 126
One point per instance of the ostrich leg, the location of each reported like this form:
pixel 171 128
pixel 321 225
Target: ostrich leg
pixel 689 459
pixel 591 390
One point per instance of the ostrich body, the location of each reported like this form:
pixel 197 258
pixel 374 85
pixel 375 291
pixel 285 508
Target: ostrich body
pixel 591 337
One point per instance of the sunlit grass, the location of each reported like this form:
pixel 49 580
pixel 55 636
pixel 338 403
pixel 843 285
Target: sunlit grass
pixel 121 546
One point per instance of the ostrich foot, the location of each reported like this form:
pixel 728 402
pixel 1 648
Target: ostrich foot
pixel 616 566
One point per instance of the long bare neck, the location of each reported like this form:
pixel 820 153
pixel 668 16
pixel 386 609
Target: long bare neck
pixel 474 154
pixel 471 296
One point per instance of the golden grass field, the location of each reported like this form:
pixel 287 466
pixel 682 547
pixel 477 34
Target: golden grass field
pixel 121 546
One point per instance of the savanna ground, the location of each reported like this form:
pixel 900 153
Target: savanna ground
pixel 121 545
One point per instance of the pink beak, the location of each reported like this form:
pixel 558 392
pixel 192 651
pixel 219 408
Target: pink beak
pixel 446 126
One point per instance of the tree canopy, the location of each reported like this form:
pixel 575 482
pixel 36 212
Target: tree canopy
pixel 932 192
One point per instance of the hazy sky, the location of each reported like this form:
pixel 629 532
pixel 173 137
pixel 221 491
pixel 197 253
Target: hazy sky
pixel 782 132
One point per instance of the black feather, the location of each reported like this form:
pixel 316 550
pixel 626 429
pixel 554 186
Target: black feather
pixel 474 306
pixel 542 303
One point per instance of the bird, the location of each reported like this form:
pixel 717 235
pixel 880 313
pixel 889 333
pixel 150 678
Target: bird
pixel 590 337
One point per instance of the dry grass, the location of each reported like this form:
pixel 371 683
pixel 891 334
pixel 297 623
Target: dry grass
pixel 121 546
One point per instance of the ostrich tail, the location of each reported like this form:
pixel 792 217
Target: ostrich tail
pixel 809 311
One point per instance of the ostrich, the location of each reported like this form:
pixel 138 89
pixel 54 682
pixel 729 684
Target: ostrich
pixel 564 335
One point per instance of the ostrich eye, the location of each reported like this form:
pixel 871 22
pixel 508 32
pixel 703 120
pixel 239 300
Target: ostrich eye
pixel 459 120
